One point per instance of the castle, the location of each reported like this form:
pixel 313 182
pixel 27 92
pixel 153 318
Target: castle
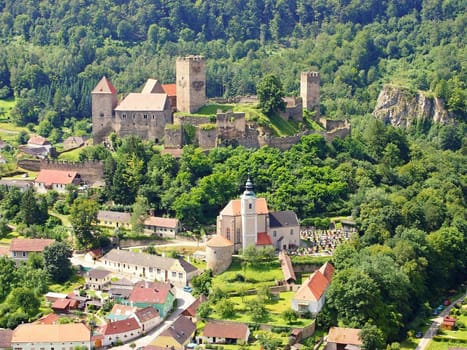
pixel 162 113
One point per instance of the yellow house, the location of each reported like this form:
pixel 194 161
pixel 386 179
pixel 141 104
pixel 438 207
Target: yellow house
pixel 179 334
pixel 113 219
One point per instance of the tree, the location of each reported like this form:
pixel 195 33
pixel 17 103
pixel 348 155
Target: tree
pixel 258 311
pixel 372 337
pixel 268 340
pixel 225 308
pixel 24 299
pixel 139 214
pixel 57 261
pixel 202 283
pixel 270 94
pixel 289 316
pixel 83 214
pixel 204 310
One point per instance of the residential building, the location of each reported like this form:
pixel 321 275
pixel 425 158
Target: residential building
pixel 248 221
pixel 5 339
pixel 176 271
pixel 58 180
pixel 51 336
pixel 98 279
pixel 192 309
pixel 113 219
pixel 74 142
pixel 22 185
pixel 124 331
pixel 158 295
pixel 344 338
pixel 121 312
pixel 148 318
pixel 221 332
pixel 162 227
pixel 20 248
pixel 310 297
pixel 177 335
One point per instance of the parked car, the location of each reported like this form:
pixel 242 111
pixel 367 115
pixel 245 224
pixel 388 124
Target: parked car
pixel 188 289
pixel 418 334
pixel 447 302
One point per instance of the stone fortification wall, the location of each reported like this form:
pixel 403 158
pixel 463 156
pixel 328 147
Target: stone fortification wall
pixel 30 164
pixel 192 120
pixel 91 171
pixel 293 110
pixel 331 124
pixel 207 138
pixel 173 137
pixel 340 133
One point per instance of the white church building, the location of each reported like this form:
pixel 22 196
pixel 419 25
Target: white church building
pixel 248 221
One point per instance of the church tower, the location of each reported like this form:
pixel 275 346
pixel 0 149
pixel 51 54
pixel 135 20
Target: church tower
pixel 191 83
pixel 104 100
pixel 309 91
pixel 249 216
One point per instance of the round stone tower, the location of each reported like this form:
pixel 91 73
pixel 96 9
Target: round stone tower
pixel 191 83
pixel 309 91
pixel 219 251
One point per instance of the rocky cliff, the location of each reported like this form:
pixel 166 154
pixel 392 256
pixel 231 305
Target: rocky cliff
pixel 401 108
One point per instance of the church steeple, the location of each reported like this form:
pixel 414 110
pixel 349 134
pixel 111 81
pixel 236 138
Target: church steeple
pixel 249 215
pixel 249 188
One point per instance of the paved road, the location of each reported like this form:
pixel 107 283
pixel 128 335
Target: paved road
pixel 436 323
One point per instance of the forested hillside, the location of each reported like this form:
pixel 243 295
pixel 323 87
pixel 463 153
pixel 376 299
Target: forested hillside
pixel 405 189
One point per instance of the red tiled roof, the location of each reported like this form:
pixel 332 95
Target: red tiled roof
pixel 327 270
pixel 49 319
pixel 146 314
pixel 341 335
pixel 230 330
pixel 150 292
pixel 5 338
pixel 449 321
pixel 219 241
pixel 313 288
pixel 29 244
pixel 191 310
pixel 234 206
pixel 50 177
pixel 161 222
pixel 61 304
pixel 263 239
pixel 104 86
pixel 123 326
pixel 170 89
pixel 286 265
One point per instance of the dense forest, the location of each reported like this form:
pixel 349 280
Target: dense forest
pixel 406 189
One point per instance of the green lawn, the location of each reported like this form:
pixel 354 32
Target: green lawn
pixel 275 309
pixel 256 276
pixel 69 286
pixel 5 107
pixel 71 156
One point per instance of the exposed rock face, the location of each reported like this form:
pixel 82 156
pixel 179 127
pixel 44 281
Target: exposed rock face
pixel 399 108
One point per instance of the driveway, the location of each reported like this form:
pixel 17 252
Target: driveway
pixel 436 323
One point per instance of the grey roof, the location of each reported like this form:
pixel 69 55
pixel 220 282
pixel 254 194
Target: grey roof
pixel 143 259
pixel 98 273
pixel 286 218
pixel 113 215
pixel 120 292
pixel 17 183
pixel 181 330
pixel 123 282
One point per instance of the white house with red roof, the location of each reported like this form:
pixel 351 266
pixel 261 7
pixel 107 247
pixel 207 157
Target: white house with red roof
pixel 162 227
pixel 158 295
pixel 248 221
pixel 20 248
pixel 124 331
pixel 310 297
pixel 57 180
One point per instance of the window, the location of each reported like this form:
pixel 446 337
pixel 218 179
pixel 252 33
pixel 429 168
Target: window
pixel 124 116
pixel 180 275
pixel 227 232
pixel 158 270
pixel 24 253
pixel 174 274
pixel 291 231
pixel 151 269
pixel 274 233
pixel 250 205
pixel 101 114
pixel 145 116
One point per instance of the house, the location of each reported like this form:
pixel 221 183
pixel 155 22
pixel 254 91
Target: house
pixel 113 219
pixel 36 152
pixel 20 248
pixel 310 297
pixel 51 297
pixel 121 312
pixel 74 142
pixel 64 305
pixel 5 338
pixel 177 335
pixel 192 309
pixel 51 336
pixel 448 323
pixel 176 271
pixel 221 332
pixel 148 318
pixel 158 295
pixel 344 338
pixel 38 141
pixel 162 227
pixel 124 330
pixel 58 180
pixel 98 279
pixel 287 268
pixel 120 289
pixel 248 221
pixel 22 185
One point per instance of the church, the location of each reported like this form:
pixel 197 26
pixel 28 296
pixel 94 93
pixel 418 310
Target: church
pixel 247 221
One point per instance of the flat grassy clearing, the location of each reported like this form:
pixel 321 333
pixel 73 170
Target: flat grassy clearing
pixel 69 286
pixel 5 241
pixel 71 156
pixel 255 276
pixel 5 107
pixel 275 309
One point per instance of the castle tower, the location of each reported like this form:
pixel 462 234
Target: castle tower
pixel 309 91
pixel 191 83
pixel 249 216
pixel 104 100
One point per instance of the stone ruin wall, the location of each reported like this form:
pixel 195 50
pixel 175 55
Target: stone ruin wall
pixel 173 137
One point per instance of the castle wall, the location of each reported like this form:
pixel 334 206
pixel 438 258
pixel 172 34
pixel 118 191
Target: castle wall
pixel 331 124
pixel 337 133
pixel 191 83
pixel 293 110
pixel 207 138
pixel 310 91
pixel 191 119
pixel 219 258
pixel 173 137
